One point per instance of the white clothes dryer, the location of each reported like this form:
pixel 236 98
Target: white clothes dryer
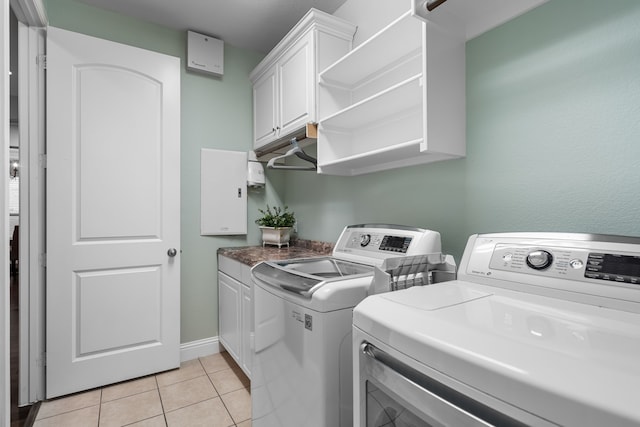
pixel 539 329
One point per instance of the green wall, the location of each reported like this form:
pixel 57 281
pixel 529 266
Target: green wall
pixel 553 138
pixel 216 113
pixel 553 104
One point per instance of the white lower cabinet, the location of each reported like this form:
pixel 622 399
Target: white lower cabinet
pixel 235 311
pixel 246 330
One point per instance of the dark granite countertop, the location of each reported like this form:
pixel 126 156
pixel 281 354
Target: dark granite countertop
pixel 252 255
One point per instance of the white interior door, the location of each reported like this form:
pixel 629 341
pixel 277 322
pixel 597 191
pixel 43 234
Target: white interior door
pixel 113 212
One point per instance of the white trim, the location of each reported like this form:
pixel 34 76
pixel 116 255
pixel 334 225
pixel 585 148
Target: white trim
pixel 30 12
pixel 31 45
pixel 5 353
pixel 200 348
pixel 313 19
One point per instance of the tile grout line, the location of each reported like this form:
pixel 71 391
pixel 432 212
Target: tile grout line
pixel 219 395
pixel 68 411
pixel 152 416
pixel 164 414
pixel 100 406
pixel 222 400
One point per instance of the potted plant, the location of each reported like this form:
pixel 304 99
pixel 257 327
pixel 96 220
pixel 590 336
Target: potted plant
pixel 276 225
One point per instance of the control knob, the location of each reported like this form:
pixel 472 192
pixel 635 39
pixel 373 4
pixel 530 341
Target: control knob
pixel 539 259
pixel 365 239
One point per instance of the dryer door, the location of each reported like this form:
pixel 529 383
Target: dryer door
pixel 396 394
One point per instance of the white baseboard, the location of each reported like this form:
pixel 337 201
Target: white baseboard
pixel 200 348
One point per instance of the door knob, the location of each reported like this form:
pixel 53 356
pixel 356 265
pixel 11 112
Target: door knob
pixel 172 252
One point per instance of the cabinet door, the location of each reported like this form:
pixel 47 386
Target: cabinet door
pixel 296 88
pixel 247 330
pixel 229 300
pixel 264 109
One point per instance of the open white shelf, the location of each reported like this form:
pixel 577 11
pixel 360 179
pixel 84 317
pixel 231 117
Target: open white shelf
pixel 405 95
pixel 354 163
pixel 400 39
pixel 404 154
pixel 396 100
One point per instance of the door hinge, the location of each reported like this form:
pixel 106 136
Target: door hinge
pixel 43 260
pixel 41 60
pixel 43 161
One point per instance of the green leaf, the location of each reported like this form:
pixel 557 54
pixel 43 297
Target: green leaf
pixel 278 217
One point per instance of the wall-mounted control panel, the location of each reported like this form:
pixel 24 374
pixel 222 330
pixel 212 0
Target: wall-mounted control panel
pixel 205 54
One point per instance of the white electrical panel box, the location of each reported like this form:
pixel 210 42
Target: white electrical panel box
pixel 223 192
pixel 205 54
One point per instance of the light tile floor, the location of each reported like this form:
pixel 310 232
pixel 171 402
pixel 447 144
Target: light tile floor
pixel 210 391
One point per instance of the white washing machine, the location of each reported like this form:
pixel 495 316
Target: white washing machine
pixel 302 365
pixel 540 329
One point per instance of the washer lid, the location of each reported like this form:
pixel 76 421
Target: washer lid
pixel 573 364
pixel 306 276
pixel 324 267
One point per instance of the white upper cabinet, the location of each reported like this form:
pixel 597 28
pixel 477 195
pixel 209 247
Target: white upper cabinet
pixel 471 18
pixel 296 86
pixel 284 83
pixel 264 108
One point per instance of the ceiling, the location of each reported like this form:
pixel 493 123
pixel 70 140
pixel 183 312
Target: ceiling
pixel 249 24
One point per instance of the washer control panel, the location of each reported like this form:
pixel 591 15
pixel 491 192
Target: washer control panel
pixel 379 242
pixel 373 243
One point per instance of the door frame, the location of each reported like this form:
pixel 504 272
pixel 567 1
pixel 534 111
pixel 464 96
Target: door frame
pixel 31 125
pixel 30 13
pixel 5 91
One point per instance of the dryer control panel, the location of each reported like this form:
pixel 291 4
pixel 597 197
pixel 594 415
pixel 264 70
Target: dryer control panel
pixel 593 265
pixel 616 267
pixel 566 263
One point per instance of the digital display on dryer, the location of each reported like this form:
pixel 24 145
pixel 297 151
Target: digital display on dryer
pixel 617 268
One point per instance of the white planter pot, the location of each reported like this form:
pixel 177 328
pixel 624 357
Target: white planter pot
pixel 276 236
